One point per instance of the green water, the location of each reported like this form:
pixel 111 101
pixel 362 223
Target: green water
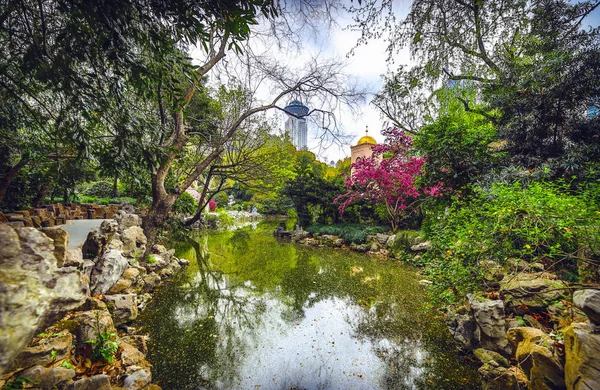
pixel 252 312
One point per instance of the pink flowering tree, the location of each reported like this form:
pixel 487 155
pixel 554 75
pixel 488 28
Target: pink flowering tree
pixel 388 177
pixel 212 205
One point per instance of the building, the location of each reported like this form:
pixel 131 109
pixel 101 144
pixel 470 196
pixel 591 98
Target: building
pixel 363 147
pixel 295 126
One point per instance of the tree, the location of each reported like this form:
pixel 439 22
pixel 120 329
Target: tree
pixel 388 177
pixel 532 66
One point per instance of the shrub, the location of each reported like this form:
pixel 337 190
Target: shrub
pixel 100 189
pixel 537 223
pixel 350 233
pixel 105 346
pixel 185 204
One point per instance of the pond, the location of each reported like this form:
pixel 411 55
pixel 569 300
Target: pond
pixel 253 312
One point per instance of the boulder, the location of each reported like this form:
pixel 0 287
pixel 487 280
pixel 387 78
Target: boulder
pixel 123 307
pixel 131 356
pixel 73 258
pixel 49 378
pixel 138 379
pixel 96 382
pixel 33 294
pixel 529 292
pixel 90 325
pixel 533 352
pixel 491 323
pixel 151 281
pixel 140 342
pixel 494 358
pixel 45 350
pixel 589 302
pixel 422 247
pixel 390 241
pixel 134 241
pixel 126 221
pixel 382 239
pixel 462 326
pixel 184 262
pixel 98 239
pixel 61 243
pixel 158 249
pixel 107 271
pixel 500 378
pixel 582 360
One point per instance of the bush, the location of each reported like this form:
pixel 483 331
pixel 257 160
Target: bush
pixel 185 204
pixel 100 189
pixel 537 223
pixel 350 233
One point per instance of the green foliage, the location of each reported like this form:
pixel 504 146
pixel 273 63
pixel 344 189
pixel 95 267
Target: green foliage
pixel 404 240
pixel 100 189
pixel 150 259
pixel 185 204
pixel 541 222
pixel 18 383
pixel 83 199
pixel 66 364
pixel 105 346
pixel 350 233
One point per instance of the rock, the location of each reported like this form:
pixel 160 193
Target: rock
pixel 382 239
pixel 390 242
pixel 33 294
pixel 121 285
pixel 532 351
pixel 138 380
pixel 61 242
pixel 462 326
pixel 166 272
pixel 134 241
pixel 131 356
pixel 184 262
pixel 374 247
pixel 123 307
pixel 96 382
pixel 582 360
pixel 589 302
pixel 425 282
pixel 151 281
pixel 49 378
pixel 154 263
pixel 158 249
pixel 491 324
pixel 45 351
pixel 529 292
pixel 98 239
pixel 486 356
pixel 500 378
pixel 127 220
pixel 422 247
pixel 91 324
pixel 73 258
pixel 138 341
pixel 107 271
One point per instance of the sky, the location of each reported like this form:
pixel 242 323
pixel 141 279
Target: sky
pixel 367 65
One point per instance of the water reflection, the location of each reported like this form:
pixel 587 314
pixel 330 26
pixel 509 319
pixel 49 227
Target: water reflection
pixel 252 312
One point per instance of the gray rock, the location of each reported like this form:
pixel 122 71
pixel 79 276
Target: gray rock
pixel 96 382
pixel 138 379
pixel 61 243
pixel 526 292
pixel 98 239
pixel 131 356
pixel 462 326
pixel 491 324
pixel 127 220
pixel 91 324
pixel 382 239
pixel 134 240
pixel 390 242
pixel 49 378
pixel 73 258
pixel 107 271
pixel 589 302
pixel 184 262
pixel 123 307
pixel 151 281
pixel 33 294
pixel 422 247
pixel 45 351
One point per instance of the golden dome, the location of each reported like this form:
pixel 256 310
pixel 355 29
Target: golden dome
pixel 367 139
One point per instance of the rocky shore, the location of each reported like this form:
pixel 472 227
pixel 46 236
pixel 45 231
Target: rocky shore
pixel 530 330
pixel 65 314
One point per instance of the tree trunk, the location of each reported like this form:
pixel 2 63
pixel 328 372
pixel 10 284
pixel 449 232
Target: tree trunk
pixel 10 175
pixel 131 189
pixel 115 182
pixel 39 198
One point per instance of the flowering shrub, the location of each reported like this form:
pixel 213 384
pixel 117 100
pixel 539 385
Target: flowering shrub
pixel 388 177
pixel 212 205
